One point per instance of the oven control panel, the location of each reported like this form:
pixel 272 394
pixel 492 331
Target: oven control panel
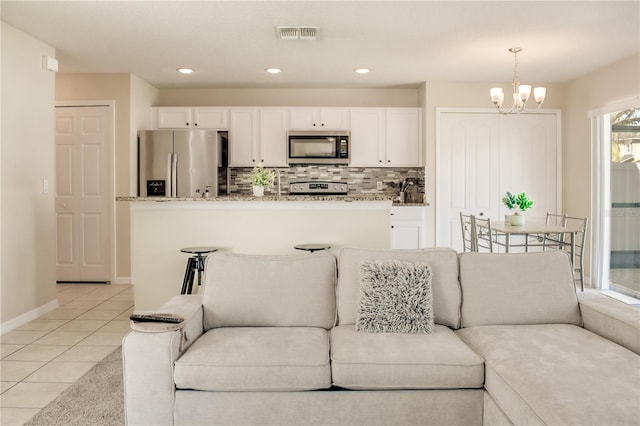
pixel 318 187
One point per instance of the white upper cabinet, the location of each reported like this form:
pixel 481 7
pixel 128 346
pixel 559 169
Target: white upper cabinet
pixel 243 137
pixel 273 124
pixel 211 118
pixel 386 137
pixel 367 137
pixel 319 118
pixel 187 118
pixel 258 135
pixel 403 137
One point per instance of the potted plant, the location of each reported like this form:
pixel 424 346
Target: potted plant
pixel 261 178
pixel 521 202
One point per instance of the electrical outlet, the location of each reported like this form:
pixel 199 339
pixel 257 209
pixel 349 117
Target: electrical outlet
pixel 380 185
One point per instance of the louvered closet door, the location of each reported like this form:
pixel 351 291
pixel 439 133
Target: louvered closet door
pixel 83 193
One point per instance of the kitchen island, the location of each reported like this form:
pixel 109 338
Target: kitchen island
pixel 160 227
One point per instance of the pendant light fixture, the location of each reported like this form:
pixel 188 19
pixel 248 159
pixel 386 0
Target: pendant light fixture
pixel 521 92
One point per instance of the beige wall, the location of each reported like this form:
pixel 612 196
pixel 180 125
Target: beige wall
pixel 290 97
pixel 609 85
pixel 28 250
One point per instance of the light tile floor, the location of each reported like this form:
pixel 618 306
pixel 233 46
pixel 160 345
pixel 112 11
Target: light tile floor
pixel 45 356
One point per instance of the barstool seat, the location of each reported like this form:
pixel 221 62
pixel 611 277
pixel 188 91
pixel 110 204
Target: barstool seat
pixel 312 247
pixel 195 263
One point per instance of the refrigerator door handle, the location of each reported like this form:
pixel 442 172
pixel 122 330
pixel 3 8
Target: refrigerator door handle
pixel 174 175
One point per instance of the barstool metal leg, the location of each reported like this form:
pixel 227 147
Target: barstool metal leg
pixel 192 268
pixel 185 281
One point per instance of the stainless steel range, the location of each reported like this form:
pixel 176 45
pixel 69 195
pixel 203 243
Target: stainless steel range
pixel 318 187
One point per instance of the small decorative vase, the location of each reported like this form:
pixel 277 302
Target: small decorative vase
pixel 258 191
pixel 517 220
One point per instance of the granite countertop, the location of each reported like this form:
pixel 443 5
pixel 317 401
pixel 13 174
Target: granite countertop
pixel 247 197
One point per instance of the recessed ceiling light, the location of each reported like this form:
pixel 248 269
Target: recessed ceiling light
pixel 362 70
pixel 185 70
pixel 274 70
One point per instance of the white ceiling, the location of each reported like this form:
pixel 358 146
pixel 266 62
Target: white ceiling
pixel 230 43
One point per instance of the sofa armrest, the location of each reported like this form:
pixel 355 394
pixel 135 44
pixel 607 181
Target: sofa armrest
pixel 148 359
pixel 611 319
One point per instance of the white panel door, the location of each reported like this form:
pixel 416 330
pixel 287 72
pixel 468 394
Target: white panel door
pixel 468 172
pixel 529 161
pixel 480 156
pixel 83 193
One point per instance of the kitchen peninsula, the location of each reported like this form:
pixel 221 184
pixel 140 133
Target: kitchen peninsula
pixel 160 227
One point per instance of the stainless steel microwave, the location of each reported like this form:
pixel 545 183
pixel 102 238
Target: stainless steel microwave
pixel 318 147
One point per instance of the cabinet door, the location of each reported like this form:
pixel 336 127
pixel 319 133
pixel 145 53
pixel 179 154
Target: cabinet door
pixel 319 118
pixel 334 118
pixel 403 139
pixel 210 118
pixel 406 235
pixel 367 137
pixel 303 118
pixel 242 137
pixel 273 137
pixel 174 118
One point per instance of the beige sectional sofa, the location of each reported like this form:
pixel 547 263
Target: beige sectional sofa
pixel 271 340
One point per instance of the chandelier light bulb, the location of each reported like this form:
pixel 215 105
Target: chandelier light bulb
pixel 525 92
pixel 521 92
pixel 539 93
pixel 497 96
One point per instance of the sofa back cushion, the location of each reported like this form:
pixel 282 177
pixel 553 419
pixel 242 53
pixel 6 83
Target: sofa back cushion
pixel 269 290
pixel 521 288
pixel 444 280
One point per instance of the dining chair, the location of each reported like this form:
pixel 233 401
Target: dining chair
pixel 579 241
pixel 484 235
pixel 468 233
pixel 554 240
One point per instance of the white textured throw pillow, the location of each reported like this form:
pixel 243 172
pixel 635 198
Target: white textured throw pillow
pixel 395 297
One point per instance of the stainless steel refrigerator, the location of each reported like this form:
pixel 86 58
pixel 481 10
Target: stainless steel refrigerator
pixel 180 163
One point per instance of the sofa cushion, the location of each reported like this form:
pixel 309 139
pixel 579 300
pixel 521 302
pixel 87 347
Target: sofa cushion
pixel 395 297
pixel 521 288
pixel 444 280
pixel 269 291
pixel 403 361
pixel 558 374
pixel 256 359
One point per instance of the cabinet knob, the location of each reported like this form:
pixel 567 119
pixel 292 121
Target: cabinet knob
pixel 253 161
pixel 322 124
pixel 195 124
pixel 379 161
pixel 391 226
pixel 388 161
pixel 187 123
pixel 481 214
pixel 314 124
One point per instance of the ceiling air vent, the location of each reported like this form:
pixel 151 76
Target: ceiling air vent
pixel 297 33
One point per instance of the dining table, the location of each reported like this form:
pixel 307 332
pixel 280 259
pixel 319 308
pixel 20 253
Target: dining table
pixel 536 234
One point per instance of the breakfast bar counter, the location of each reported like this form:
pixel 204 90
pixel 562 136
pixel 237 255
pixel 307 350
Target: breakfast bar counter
pixel 160 227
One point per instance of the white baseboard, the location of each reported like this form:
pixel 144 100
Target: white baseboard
pixel 16 322
pixel 122 280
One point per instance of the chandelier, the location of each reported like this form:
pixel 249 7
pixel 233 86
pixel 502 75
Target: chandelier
pixel 521 92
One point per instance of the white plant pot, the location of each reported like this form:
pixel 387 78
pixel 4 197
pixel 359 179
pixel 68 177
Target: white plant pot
pixel 517 220
pixel 258 191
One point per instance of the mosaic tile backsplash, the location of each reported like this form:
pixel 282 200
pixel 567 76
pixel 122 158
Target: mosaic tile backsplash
pixel 361 180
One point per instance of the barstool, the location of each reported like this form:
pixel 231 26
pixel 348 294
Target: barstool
pixel 195 263
pixel 312 247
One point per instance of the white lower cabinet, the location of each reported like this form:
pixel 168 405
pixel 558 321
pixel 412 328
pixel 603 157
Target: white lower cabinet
pixel 408 227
